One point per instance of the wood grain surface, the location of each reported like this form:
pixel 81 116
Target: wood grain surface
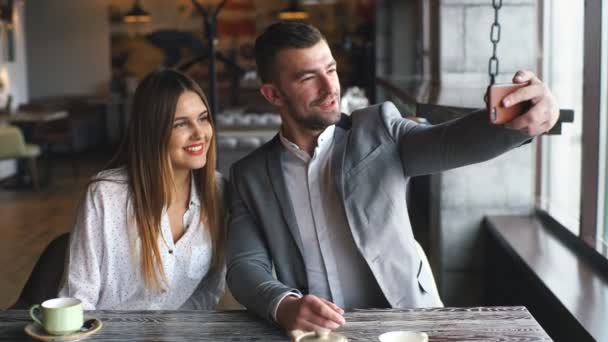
pixel 441 324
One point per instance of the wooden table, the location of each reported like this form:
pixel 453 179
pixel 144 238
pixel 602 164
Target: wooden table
pixel 441 324
pixel 29 120
pixel 25 117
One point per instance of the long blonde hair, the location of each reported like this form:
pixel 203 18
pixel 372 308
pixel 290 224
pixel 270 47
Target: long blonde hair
pixel 144 154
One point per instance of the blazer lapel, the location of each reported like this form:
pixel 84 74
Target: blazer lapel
pixel 275 172
pixel 337 157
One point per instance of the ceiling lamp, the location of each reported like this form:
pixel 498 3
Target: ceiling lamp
pixel 137 14
pixel 6 12
pixel 293 12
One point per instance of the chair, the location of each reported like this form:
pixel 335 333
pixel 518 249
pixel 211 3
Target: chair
pixel 13 146
pixel 7 106
pixel 45 278
pixel 53 134
pixel 64 135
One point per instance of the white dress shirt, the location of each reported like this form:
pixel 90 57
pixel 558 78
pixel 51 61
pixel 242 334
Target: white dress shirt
pixel 103 265
pixel 335 268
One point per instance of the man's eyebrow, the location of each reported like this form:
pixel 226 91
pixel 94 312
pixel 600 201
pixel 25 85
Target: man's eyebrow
pixel 312 71
pixel 304 72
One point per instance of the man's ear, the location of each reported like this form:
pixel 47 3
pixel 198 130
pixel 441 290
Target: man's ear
pixel 271 94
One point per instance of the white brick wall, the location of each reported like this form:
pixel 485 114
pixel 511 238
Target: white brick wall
pixel 465 39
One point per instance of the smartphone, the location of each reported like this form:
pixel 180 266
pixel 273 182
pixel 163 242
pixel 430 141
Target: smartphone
pixel 498 113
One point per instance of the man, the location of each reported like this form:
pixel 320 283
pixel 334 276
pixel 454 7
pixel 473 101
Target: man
pixel 324 202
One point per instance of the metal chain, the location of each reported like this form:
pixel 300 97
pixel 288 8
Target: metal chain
pixel 495 39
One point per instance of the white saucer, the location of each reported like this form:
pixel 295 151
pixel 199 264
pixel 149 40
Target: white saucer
pixel 404 336
pixel 36 331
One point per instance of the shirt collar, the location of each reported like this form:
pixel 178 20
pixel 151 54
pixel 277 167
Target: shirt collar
pixel 194 199
pixel 323 141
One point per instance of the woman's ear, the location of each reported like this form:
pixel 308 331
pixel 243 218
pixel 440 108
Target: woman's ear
pixel 272 94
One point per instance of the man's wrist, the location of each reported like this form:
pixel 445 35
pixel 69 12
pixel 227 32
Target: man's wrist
pixel 281 298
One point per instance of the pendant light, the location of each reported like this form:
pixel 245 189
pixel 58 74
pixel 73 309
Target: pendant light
pixel 137 14
pixel 293 12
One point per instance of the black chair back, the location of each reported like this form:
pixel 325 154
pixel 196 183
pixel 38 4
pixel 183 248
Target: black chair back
pixel 44 280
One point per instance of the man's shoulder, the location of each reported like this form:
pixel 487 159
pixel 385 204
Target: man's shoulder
pixel 381 115
pixel 375 113
pixel 253 161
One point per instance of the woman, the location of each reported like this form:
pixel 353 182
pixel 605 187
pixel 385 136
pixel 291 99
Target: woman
pixel 149 232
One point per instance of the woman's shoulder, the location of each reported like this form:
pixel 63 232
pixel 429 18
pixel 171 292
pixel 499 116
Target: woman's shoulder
pixel 119 173
pixel 109 182
pixel 104 203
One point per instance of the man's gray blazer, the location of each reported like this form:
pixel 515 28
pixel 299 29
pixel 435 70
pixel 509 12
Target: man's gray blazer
pixel 376 151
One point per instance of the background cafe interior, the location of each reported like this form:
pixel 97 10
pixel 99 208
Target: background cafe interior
pixel 520 238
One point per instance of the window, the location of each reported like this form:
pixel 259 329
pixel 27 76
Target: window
pixel 602 236
pixel 574 177
pixel 563 72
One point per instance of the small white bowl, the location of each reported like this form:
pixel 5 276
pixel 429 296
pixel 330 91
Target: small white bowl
pixel 404 336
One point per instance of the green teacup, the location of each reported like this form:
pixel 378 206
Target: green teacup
pixel 60 316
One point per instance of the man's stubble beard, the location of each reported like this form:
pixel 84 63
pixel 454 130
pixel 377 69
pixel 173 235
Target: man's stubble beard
pixel 317 121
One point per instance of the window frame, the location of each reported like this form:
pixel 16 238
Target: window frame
pixel 594 126
pixel 592 196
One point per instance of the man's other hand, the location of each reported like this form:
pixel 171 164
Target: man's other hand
pixel 544 111
pixel 309 313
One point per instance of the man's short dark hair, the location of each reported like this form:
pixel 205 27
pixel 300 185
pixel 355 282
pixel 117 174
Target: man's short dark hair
pixel 278 36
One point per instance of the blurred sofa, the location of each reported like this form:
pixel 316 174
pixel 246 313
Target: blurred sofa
pixel 239 133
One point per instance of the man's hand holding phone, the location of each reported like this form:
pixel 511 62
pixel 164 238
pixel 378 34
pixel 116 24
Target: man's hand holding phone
pixel 526 105
pixel 499 114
